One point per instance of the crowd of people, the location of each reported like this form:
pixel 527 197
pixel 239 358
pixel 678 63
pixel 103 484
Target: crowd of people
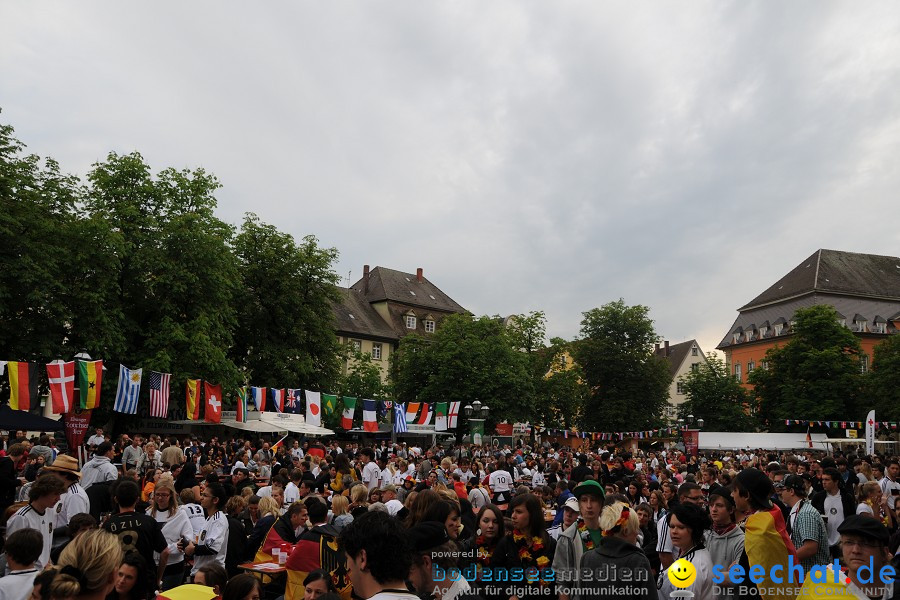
pixel 146 515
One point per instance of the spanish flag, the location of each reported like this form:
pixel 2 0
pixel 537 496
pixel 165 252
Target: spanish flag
pixel 193 399
pixel 90 376
pixel 23 385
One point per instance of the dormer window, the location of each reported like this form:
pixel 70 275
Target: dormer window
pixel 879 325
pixel 749 334
pixel 859 323
pixel 778 328
pixel 736 336
pixel 410 321
pixel 429 325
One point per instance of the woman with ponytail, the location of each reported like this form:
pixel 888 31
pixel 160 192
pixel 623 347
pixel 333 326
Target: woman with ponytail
pixel 618 547
pixel 87 567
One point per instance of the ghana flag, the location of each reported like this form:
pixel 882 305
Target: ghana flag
pixel 23 385
pixel 90 377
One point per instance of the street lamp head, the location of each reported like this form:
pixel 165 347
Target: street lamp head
pixel 690 418
pixel 700 423
pixel 485 410
pixel 681 421
pixel 467 410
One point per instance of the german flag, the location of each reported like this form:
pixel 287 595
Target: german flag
pixel 23 385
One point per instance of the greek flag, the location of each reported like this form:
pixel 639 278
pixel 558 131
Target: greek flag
pixel 400 417
pixel 128 391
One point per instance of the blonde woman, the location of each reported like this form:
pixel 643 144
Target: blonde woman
pixel 872 503
pixel 400 472
pixel 359 498
pixel 87 567
pixel 340 515
pixel 175 525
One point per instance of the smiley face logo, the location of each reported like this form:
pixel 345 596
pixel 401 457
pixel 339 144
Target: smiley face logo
pixel 682 573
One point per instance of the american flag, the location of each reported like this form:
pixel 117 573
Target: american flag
pixel 159 394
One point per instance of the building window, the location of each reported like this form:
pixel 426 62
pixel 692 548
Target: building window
pixel 764 365
pixel 680 388
pixel 735 338
pixel 763 331
pixel 879 328
pixel 356 345
pixel 410 321
pixel 737 372
pixel 864 363
pixel 695 367
pixel 429 326
pixel 376 351
pixel 778 328
pixel 750 366
pixel 694 351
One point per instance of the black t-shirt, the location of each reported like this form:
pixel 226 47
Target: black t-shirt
pixel 138 532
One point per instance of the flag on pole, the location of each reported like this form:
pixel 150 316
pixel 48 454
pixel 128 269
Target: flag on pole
pixel 240 415
pixel 277 397
pixel 400 418
pixel 128 391
pixel 213 393
pixel 411 410
pixel 809 443
pixel 279 443
pixel 159 394
pixel 294 401
pixel 259 397
pixel 193 399
pixel 61 376
pixel 329 403
pixel 23 385
pixel 370 418
pixel 90 377
pixel 440 420
pixel 870 433
pixel 314 408
pixel 426 414
pixel 453 415
pixel 347 415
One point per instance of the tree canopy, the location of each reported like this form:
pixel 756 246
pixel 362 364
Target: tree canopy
pixel 716 397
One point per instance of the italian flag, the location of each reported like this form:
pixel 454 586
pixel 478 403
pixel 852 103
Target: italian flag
pixel 347 415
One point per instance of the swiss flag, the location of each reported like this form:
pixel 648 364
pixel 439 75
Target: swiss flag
pixel 62 386
pixel 213 395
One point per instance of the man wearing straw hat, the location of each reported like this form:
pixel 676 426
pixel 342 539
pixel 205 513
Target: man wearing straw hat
pixel 73 501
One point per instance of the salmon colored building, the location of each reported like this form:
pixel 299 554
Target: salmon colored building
pixel 863 288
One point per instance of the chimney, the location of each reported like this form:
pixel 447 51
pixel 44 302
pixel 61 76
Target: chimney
pixel 365 279
pixel 419 275
pixel 657 349
pixel 667 347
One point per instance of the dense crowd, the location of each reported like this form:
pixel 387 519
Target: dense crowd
pixel 304 520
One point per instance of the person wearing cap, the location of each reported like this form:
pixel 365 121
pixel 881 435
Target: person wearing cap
pixel 390 500
pixel 74 500
pixel 766 540
pixel 582 536
pixel 569 516
pixel 724 540
pixel 432 559
pixel 865 543
pixel 806 525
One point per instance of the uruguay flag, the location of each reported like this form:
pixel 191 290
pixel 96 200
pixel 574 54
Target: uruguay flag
pixel 128 391
pixel 259 397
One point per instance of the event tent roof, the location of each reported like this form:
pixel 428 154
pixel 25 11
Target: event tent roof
pixel 11 419
pixel 711 440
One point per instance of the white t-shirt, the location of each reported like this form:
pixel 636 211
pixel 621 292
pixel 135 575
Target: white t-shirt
pixel 664 541
pixel 237 465
pixel 17 585
pixel 834 512
pixel 500 481
pixel 887 486
pixel 371 475
pixel 95 440
pixel 73 501
pixel 215 537
pixel 264 492
pixel 864 509
pixel 26 517
pixel 174 528
pixel 291 493
pixel 195 515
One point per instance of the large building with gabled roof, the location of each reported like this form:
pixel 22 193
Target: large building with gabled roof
pixel 681 358
pixel 384 306
pixel 863 288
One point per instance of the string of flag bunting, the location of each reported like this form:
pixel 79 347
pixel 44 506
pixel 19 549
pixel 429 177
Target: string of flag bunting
pixel 842 424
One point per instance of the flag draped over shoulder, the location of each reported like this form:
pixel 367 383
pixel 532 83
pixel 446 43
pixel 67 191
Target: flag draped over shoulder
pixel 370 419
pixel 767 543
pixel 412 409
pixel 277 397
pixel 259 397
pixel 400 418
pixel 159 394
pixel 128 391
pixel 23 385
pixel 440 421
pixel 294 401
pixel 314 408
pixel 61 376
pixel 213 393
pixel 90 378
pixel 347 415
pixel 329 403
pixel 193 399
pixel 240 415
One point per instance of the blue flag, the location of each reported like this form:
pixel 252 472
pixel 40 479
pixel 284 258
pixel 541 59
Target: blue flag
pixel 128 391
pixel 400 418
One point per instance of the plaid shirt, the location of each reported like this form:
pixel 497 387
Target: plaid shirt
pixel 807 524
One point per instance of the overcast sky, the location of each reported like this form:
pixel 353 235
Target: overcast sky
pixel 549 156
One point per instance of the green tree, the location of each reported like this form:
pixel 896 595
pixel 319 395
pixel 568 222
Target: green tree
pixel 716 397
pixel 560 388
pixel 628 384
pixel 362 380
pixel 815 375
pixel 285 320
pixel 527 332
pixel 882 383
pixel 467 359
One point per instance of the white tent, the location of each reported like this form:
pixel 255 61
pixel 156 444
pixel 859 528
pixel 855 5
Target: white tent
pixel 722 440
pixel 293 423
pixel 255 425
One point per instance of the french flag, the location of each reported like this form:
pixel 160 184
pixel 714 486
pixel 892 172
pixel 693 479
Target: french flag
pixel 277 399
pixel 259 397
